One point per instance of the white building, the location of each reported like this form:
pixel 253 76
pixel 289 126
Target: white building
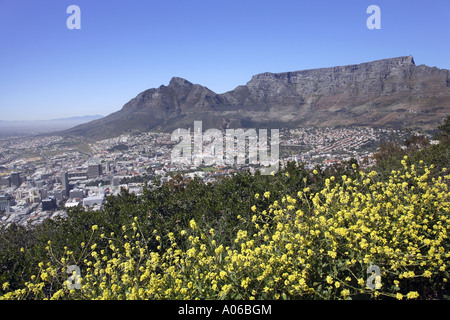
pixel 94 200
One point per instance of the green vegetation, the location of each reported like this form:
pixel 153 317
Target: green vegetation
pixel 31 154
pixel 83 148
pixel 119 147
pixel 300 234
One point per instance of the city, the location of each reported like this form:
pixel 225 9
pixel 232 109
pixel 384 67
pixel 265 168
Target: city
pixel 42 176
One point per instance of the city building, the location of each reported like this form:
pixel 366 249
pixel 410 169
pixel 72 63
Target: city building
pixel 5 202
pixel 49 204
pixel 94 171
pixel 76 194
pixel 58 194
pixel 5 181
pixel 72 204
pixel 94 200
pixel 115 181
pixel 79 175
pixel 65 184
pixel 15 179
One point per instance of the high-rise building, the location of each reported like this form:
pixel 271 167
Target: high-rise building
pixel 48 204
pixel 57 194
pixel 94 171
pixel 5 181
pixel 15 179
pixel 43 193
pixel 5 202
pixel 65 184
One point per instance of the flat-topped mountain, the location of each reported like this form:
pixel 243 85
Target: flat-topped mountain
pixel 390 92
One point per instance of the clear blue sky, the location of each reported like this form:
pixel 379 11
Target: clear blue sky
pixel 124 47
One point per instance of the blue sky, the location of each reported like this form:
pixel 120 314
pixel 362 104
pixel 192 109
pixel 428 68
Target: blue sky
pixel 124 47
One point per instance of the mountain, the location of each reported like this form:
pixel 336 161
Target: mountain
pixel 13 128
pixel 390 92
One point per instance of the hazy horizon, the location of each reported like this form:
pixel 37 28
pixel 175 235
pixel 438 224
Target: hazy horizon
pixel 74 117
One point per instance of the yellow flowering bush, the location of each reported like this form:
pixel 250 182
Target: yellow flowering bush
pixel 305 246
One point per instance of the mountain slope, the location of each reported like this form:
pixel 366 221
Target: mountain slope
pixel 389 92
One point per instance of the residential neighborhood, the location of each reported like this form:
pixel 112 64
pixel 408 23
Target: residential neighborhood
pixel 42 176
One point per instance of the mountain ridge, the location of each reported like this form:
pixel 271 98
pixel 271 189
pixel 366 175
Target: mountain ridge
pixel 389 92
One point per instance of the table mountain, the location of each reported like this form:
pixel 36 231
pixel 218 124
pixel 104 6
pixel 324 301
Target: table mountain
pixel 391 92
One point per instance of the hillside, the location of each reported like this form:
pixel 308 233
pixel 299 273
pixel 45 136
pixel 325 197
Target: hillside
pixel 390 92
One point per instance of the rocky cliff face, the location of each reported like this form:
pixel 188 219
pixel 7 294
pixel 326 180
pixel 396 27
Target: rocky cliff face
pixel 390 92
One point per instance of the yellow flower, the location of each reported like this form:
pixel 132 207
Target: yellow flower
pixel 254 208
pixel 412 295
pixel 94 227
pixel 44 276
pixel 399 296
pixel 332 254
pixel 5 286
pixel 226 288
pixel 267 194
pixel 345 293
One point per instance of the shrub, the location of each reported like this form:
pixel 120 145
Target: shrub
pixel 309 245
